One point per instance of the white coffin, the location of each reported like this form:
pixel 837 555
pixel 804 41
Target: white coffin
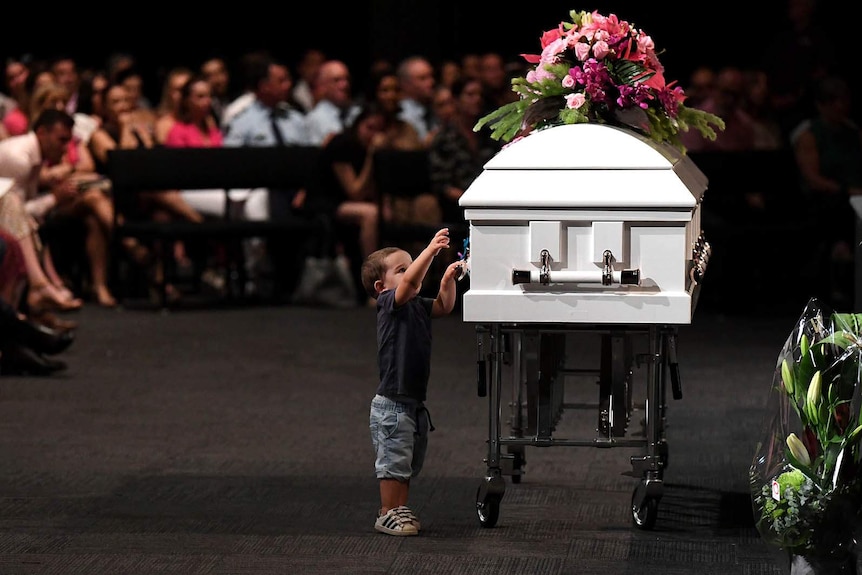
pixel 577 192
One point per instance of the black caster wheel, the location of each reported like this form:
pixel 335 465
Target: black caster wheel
pixel 644 513
pixel 488 510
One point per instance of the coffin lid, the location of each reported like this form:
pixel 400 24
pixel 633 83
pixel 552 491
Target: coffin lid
pixel 587 165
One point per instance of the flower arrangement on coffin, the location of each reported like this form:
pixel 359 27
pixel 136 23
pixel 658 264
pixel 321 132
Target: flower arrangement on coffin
pixel 806 476
pixel 598 69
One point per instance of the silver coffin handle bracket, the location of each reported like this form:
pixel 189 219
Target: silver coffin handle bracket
pixel 607 276
pixel 700 258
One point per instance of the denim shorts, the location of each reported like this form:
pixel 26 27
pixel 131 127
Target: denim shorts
pixel 399 435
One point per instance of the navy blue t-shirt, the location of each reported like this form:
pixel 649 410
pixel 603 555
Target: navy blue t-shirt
pixel 403 347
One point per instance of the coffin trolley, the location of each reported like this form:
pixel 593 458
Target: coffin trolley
pixel 577 230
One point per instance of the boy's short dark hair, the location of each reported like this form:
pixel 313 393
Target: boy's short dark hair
pixel 374 268
pixel 48 118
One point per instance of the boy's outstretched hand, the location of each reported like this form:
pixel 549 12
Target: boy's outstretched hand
pixel 453 270
pixel 445 300
pixel 439 241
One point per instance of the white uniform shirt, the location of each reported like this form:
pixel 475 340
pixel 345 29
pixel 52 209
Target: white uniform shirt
pixel 20 161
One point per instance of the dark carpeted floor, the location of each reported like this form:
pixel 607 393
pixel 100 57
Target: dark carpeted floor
pixel 234 441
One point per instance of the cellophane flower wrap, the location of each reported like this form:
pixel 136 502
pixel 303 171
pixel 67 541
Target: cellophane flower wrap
pixel 806 473
pixel 598 68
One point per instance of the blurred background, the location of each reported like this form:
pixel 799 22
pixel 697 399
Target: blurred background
pixel 760 55
pixel 162 35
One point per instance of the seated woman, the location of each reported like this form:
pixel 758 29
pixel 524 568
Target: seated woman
pixel 194 125
pixel 341 187
pixel 401 135
pixel 457 152
pixel 169 104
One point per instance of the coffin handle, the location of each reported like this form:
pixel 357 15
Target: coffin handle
pixel 607 276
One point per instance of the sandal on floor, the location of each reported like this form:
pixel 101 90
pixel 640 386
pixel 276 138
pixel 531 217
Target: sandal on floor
pixel 103 297
pixel 45 297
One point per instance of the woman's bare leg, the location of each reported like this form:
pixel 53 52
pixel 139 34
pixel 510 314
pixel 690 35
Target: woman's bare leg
pixel 174 203
pixel 364 215
pixel 97 254
pixel 51 271
pixel 42 292
pixel 100 206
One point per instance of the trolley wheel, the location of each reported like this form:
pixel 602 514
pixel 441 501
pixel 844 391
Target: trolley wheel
pixel 488 510
pixel 645 513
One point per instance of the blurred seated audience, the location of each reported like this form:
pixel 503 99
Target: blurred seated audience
pixel 140 109
pixel 728 103
pixel 758 105
pixel 268 120
pixel 385 90
pixel 828 153
pixel 121 129
pixel 416 75
pixel 457 153
pixel 216 72
pixel 800 51
pixel 398 134
pixel 249 64
pixel 302 94
pixel 334 110
pixel 92 206
pixel 18 120
pixel 496 83
pixel 700 87
pixel 341 187
pixel 21 160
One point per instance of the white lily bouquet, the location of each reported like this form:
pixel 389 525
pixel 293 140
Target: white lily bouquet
pixel 806 476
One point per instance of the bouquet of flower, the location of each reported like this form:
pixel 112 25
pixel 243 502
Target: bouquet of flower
pixel 598 69
pixel 806 476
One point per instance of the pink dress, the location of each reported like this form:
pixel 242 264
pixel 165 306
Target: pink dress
pixel 182 135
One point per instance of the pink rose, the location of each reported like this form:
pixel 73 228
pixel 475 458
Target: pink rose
pixel 582 51
pixel 645 44
pixel 601 50
pixel 568 81
pixel 575 100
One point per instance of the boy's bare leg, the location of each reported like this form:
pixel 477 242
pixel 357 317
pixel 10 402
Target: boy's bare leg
pixel 393 493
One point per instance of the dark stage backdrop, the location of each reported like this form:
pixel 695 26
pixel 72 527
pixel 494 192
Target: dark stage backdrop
pixel 165 35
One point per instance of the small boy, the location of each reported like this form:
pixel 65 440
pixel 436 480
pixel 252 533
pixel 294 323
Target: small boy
pixel 399 421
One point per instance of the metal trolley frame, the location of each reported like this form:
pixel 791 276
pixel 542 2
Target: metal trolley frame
pixel 535 356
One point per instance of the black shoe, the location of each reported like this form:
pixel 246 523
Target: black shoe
pixel 21 360
pixel 42 339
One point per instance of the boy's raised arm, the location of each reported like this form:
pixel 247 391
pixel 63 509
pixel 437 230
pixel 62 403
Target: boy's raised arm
pixel 411 283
